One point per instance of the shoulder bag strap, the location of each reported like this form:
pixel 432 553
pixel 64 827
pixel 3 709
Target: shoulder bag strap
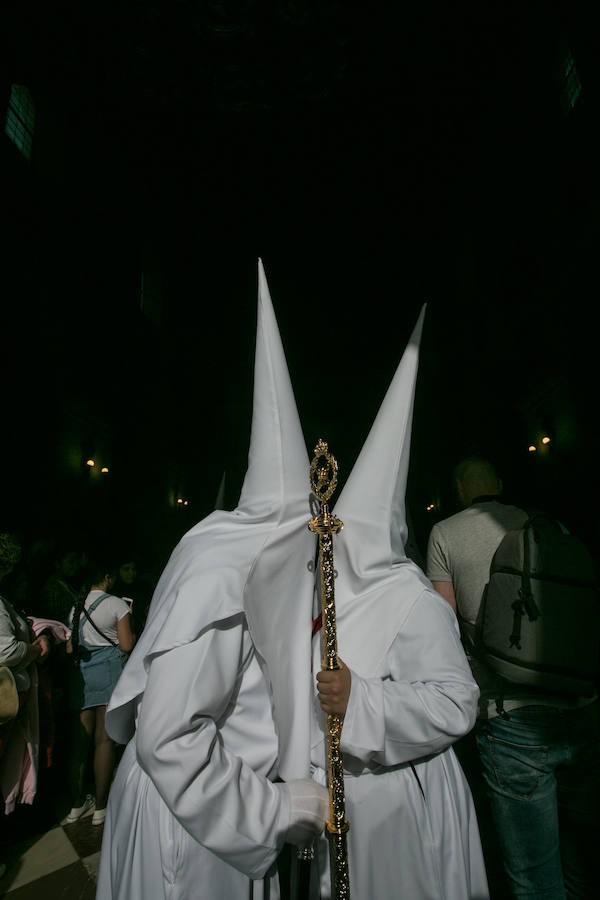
pixel 91 621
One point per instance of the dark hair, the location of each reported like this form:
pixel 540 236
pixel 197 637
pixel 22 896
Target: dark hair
pixel 97 568
pixel 122 558
pixel 475 468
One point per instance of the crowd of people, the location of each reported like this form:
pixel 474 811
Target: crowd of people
pixel 69 618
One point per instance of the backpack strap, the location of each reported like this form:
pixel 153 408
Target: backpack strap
pixel 500 700
pixel 525 603
pixel 86 613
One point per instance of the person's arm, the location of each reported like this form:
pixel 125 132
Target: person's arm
pixel 125 634
pixel 45 645
pixel 14 652
pixel 44 638
pixel 225 805
pixel 426 698
pixel 446 590
pixel 439 569
pixel 35 651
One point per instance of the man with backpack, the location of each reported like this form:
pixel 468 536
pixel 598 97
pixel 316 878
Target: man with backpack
pixel 526 601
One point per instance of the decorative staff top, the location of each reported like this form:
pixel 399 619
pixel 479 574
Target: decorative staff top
pixel 323 482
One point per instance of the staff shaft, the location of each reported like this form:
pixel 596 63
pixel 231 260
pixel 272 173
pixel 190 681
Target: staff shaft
pixel 323 480
pixel 337 825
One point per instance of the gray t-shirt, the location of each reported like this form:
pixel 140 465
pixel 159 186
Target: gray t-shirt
pixel 460 551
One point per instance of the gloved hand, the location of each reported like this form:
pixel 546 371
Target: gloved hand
pixel 309 811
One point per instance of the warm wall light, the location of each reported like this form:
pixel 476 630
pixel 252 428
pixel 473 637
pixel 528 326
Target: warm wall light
pixel 531 448
pixel 179 500
pixel 545 440
pixel 430 507
pixel 185 502
pixel 104 469
pixel 90 462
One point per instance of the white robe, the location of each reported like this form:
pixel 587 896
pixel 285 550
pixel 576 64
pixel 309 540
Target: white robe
pixel 192 812
pixel 413 829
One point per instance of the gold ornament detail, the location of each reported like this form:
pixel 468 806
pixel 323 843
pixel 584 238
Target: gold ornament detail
pixel 323 482
pixel 323 472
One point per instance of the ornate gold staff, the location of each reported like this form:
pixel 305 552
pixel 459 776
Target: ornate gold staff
pixel 323 482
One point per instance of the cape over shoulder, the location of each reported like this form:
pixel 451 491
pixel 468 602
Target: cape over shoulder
pixel 202 584
pixel 369 623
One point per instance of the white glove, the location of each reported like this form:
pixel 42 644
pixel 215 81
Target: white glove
pixel 309 811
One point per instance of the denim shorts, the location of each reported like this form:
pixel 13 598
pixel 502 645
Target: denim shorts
pixel 95 678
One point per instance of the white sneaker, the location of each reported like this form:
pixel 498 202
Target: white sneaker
pixel 99 816
pixel 78 811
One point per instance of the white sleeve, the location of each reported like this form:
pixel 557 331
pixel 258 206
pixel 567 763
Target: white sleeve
pixel 119 608
pixel 227 807
pixel 426 699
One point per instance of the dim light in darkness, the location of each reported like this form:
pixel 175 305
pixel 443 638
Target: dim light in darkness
pixel 545 440
pixel 531 448
pixel 104 469
pixel 90 462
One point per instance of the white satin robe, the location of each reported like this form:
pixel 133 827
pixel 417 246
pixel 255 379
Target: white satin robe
pixel 413 829
pixel 192 812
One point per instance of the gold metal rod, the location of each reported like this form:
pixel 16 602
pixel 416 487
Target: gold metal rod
pixel 323 480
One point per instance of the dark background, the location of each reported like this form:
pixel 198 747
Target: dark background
pixel 376 158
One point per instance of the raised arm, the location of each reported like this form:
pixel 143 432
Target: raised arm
pixel 425 697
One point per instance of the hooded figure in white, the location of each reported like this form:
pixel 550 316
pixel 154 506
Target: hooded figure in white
pixel 413 829
pixel 215 700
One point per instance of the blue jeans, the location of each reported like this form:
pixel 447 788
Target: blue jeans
pixel 541 766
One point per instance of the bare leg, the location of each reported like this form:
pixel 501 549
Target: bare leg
pixel 84 729
pixel 104 759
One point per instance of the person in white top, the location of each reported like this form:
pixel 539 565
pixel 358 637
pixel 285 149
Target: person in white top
pixel 101 639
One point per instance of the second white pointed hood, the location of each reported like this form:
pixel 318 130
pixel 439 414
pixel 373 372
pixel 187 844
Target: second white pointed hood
pixel 377 584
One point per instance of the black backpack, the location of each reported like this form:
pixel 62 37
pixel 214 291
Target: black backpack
pixel 539 622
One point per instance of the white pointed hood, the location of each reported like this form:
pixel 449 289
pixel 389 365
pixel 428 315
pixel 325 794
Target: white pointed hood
pixel 247 560
pixel 376 584
pixel 276 481
pixel 279 590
